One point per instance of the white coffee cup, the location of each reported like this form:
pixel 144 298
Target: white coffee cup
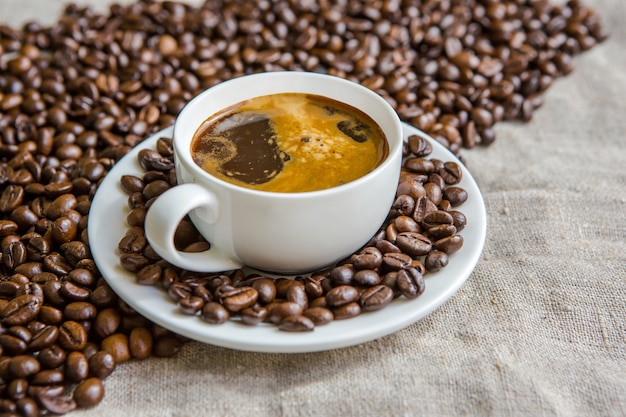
pixel 285 233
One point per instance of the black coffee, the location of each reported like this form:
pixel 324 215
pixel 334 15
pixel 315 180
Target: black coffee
pixel 289 142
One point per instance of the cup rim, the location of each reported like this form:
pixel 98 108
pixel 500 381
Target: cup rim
pixel 393 157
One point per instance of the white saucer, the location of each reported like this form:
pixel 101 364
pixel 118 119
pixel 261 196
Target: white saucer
pixel 107 225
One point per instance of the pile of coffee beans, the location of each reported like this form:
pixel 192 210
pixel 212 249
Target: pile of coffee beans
pixel 418 236
pixel 76 96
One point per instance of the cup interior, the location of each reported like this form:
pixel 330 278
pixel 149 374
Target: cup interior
pixel 234 91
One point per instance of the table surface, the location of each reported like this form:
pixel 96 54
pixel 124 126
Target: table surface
pixel 539 329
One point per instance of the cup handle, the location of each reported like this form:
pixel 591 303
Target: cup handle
pixel 162 220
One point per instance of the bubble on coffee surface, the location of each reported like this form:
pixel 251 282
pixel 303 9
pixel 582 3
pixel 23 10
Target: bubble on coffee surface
pixel 289 142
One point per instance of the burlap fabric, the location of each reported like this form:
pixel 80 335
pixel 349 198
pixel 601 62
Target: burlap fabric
pixel 539 329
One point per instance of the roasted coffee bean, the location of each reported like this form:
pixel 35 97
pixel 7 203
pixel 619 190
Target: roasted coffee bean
pixel 190 305
pixel 107 322
pixel 17 389
pixel 341 295
pixel 240 298
pixel 367 278
pixel 166 346
pixel 406 224
pixel 277 312
pixel 436 260
pixel 296 323
pixel 253 315
pixel 347 311
pixel 89 392
pixel 449 244
pixel 342 275
pixel 23 366
pixel 319 315
pixel 140 343
pixel 437 218
pixel 440 231
pixel 376 298
pixel 214 313
pixel 396 260
pixel 410 283
pixel 101 364
pixel 73 292
pixel 451 173
pixel 76 367
pixel 72 336
pixel 52 357
pixel 413 244
pixel 419 146
pixel 52 399
pixel 368 258
pixel 455 195
pixel 20 310
pixel 79 311
pixel 47 377
pixel 419 165
pixel 298 295
pixel 44 338
pixel 117 345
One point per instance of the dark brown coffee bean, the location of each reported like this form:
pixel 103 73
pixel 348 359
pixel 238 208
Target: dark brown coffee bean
pixel 76 367
pixel 404 205
pixel 298 295
pixel 455 195
pixel 107 322
pixel 419 146
pixel 319 315
pixel 70 291
pixel 436 260
pixel 410 283
pixel 367 278
pixel 419 165
pixel 240 298
pixel 437 218
pixel 376 298
pixel 347 311
pixel 140 343
pixel 406 224
pixel 396 261
pixel 341 295
pixel 72 336
pixel 190 305
pixel 214 313
pixel 47 377
pixel 101 364
pixel 44 338
pixel 89 392
pixel 413 244
pixel 368 258
pixel 297 323
pixel 254 315
pixel 277 312
pixel 342 275
pixel 52 400
pixel 449 244
pixel 23 366
pixel 52 357
pixel 20 310
pixel 11 198
pixel 79 311
pixel 451 173
pixel 14 255
pixel 166 346
pixel 117 346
